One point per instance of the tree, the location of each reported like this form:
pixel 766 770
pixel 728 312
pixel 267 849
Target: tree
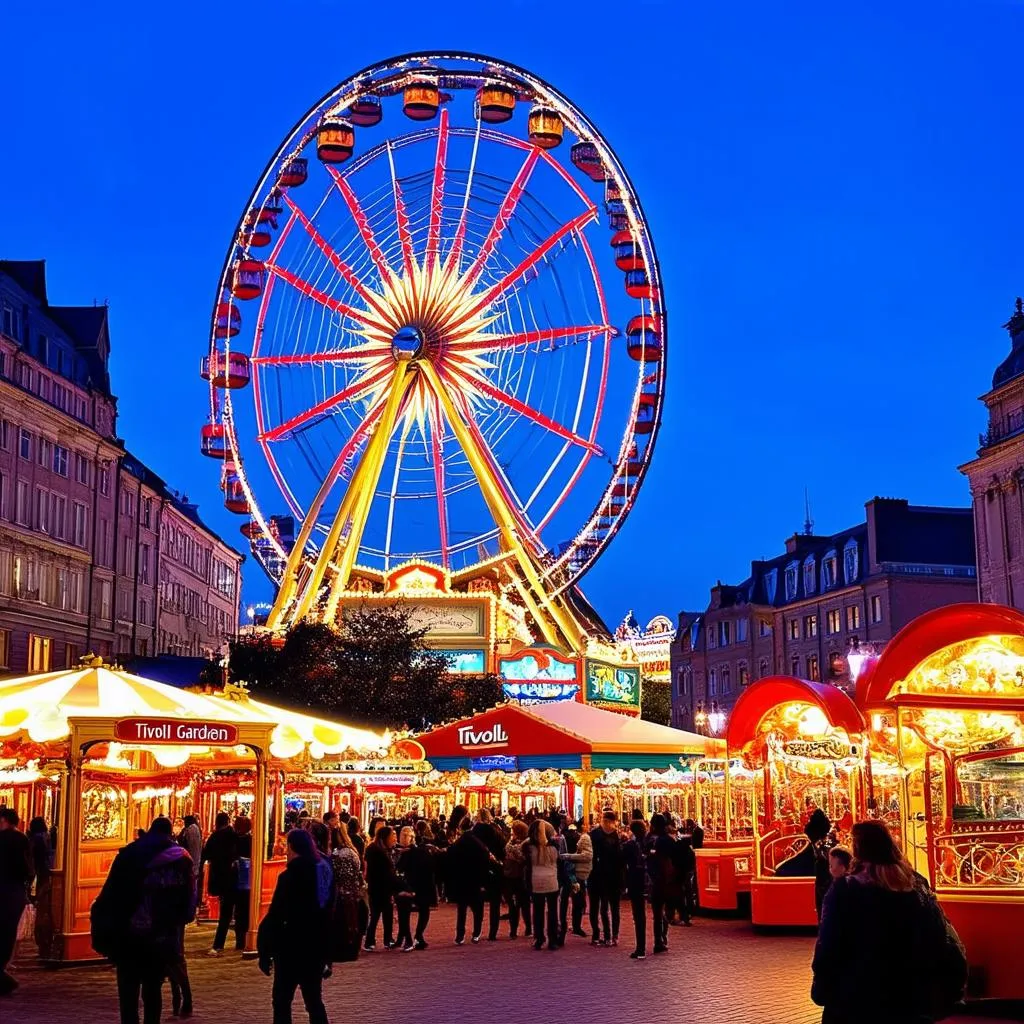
pixel 376 669
pixel 656 702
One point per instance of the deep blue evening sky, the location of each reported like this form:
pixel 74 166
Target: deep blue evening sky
pixel 835 191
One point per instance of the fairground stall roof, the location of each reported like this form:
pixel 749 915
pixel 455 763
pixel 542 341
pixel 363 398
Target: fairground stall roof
pixel 515 737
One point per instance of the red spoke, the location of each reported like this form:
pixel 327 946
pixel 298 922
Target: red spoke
pixel 526 410
pixel 333 356
pixel 354 390
pixel 325 300
pixel 503 216
pixel 487 342
pixel 402 220
pixel 490 294
pixel 363 224
pixel 437 446
pixel 336 261
pixel 433 254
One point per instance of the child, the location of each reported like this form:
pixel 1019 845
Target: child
pixel 839 861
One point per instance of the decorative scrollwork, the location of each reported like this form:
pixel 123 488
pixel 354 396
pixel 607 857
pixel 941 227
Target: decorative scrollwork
pixel 978 859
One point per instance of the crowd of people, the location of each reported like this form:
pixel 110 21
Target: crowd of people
pixel 542 875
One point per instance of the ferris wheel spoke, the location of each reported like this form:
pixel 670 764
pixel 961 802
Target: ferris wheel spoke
pixel 437 456
pixel 504 216
pixel 489 342
pixel 354 390
pixel 387 275
pixel 336 355
pixel 393 497
pixel 322 298
pixel 494 291
pixel 432 257
pixel 336 261
pixel 471 382
pixel 402 220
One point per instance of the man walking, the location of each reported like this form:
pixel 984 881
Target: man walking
pixel 221 853
pixel 16 874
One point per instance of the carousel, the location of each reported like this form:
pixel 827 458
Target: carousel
pixel 946 699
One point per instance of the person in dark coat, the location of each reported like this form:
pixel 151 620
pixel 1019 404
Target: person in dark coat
pixel 684 860
pixel 381 885
pixel 664 881
pixel 486 831
pixel 416 868
pixel 467 865
pixel 885 953
pixel 635 854
pixel 139 917
pixel 221 855
pixel 607 874
pixel 293 938
pixel 804 864
pixel 16 873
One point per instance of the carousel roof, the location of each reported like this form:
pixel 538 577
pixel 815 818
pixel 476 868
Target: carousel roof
pixel 607 731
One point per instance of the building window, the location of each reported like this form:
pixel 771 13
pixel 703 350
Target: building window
pixel 771 581
pixel 794 666
pixel 829 567
pixel 810 626
pixel 809 576
pixel 105 479
pixel 5 648
pixel 126 563
pixel 21 511
pixel 813 669
pixel 741 624
pixel 792 580
pixel 12 322
pixel 39 653
pixel 794 629
pixel 5 435
pixel 147 512
pixel 726 679
pixel 144 563
pixel 105 599
pixel 60 460
pixel 127 504
pixel 851 561
pixel 853 616
pixel 58 516
pixel 44 449
pixel 24 444
pixel 876 608
pixel 713 683
pixel 78 524
pixel 764 627
pixel 742 675
pixel 762 668
pixel 833 621
pixel 70 655
pixel 81 468
pixel 712 635
pixel 724 630
pixel 42 510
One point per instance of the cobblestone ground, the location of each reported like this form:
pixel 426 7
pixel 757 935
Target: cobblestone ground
pixel 717 971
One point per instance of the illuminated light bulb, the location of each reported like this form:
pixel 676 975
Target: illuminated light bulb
pixel 171 757
pixel 328 739
pixel 11 721
pixel 812 722
pixel 46 725
pixel 316 751
pixel 285 742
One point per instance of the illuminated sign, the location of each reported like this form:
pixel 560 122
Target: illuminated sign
pixel 447 619
pixel 539 692
pixel 388 780
pixel 495 736
pixel 468 662
pixel 611 684
pixel 494 763
pixel 830 748
pixel 161 730
pixel 538 664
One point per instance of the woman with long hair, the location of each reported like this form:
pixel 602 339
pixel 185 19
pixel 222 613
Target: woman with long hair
pixel 514 881
pixel 350 910
pixel 381 884
pixel 540 857
pixel 293 936
pixel 885 952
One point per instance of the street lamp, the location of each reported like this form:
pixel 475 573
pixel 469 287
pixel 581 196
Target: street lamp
pixel 709 721
pixel 716 718
pixel 858 656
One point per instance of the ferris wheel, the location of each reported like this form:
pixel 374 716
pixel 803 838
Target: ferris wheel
pixel 438 335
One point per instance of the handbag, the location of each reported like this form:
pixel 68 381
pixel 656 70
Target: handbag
pixel 27 924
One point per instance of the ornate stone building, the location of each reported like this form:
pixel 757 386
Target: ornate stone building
pixel 996 477
pixel 81 552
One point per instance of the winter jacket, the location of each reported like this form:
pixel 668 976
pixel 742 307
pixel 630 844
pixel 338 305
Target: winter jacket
pixel 381 876
pixel 192 840
pixel 541 868
pixel 16 870
pixel 660 865
pixel 583 858
pixel 148 897
pixel 467 866
pixel 635 855
pixel 416 866
pixel 295 930
pixel 221 852
pixel 884 956
pixel 607 872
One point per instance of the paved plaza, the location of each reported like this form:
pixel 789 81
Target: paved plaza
pixel 717 971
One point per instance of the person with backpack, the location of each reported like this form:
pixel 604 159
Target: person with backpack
pixel 885 952
pixel 293 939
pixel 662 872
pixel 139 917
pixel 221 854
pixel 514 882
pixel 635 854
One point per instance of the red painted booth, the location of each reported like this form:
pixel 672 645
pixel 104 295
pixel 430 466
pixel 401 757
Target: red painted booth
pixel 805 741
pixel 947 694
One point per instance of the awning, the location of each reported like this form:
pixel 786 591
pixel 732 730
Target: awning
pixel 559 735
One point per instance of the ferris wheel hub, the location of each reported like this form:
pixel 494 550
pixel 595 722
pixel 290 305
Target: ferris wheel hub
pixel 408 343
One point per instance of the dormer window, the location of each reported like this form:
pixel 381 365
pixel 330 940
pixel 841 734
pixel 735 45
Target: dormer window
pixel 792 579
pixel 829 570
pixel 851 561
pixel 771 582
pixel 810 583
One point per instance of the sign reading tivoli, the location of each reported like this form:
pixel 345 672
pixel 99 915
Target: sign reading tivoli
pixel 162 730
pixel 483 739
